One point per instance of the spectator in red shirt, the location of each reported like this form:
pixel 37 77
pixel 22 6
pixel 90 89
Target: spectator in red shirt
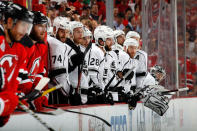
pixel 123 6
pixel 128 14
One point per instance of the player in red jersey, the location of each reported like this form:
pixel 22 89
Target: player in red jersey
pixel 35 64
pixel 17 22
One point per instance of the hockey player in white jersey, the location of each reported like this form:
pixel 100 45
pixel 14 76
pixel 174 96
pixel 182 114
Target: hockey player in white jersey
pixel 97 67
pixel 140 55
pixel 131 47
pixel 119 38
pixel 58 61
pixel 151 94
pixel 76 57
pixel 85 47
pixel 110 62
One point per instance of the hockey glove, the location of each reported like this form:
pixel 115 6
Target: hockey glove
pixel 77 59
pixel 91 95
pixel 109 99
pixel 157 103
pixel 74 98
pixel 33 95
pixel 132 100
pixel 40 102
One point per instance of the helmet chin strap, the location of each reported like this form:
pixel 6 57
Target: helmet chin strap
pixel 11 38
pixel 106 48
pixel 10 34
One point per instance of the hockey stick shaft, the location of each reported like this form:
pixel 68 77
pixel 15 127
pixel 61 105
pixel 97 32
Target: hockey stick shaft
pixel 42 83
pixel 81 68
pixel 26 109
pixel 51 89
pixel 81 114
pixel 108 84
pixel 176 90
pixel 125 76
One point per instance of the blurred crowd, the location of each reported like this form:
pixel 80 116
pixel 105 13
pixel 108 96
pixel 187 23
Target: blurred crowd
pixel 127 13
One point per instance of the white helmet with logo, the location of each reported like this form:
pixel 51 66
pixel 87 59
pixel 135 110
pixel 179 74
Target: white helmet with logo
pixel 118 33
pixel 109 33
pixel 75 24
pixel 131 34
pixel 61 22
pixel 87 32
pixel 130 42
pixel 99 33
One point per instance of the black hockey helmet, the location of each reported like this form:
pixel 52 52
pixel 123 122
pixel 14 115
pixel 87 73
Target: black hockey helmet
pixel 18 12
pixel 3 7
pixel 39 18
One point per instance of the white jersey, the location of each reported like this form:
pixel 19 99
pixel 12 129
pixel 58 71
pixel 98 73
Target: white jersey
pixel 142 57
pixel 149 80
pixel 84 76
pixel 110 68
pixel 96 66
pixel 58 62
pixel 73 75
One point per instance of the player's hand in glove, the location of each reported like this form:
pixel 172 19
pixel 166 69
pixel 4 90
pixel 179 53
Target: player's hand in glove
pixel 77 59
pixel 40 102
pixel 132 100
pixel 33 95
pixel 91 95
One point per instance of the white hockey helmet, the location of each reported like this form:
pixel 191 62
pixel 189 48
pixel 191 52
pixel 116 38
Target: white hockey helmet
pixel 61 22
pixel 99 33
pixel 131 34
pixel 158 70
pixel 118 33
pixel 109 33
pixel 130 42
pixel 75 24
pixel 87 32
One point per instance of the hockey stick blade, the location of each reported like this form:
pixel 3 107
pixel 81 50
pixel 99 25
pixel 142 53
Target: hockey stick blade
pixel 42 83
pixel 107 123
pixel 176 90
pixel 26 109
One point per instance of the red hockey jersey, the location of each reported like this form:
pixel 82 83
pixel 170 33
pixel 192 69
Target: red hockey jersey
pixel 12 62
pixel 35 67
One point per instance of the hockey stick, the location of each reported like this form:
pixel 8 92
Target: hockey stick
pixel 59 111
pixel 41 84
pixel 175 90
pixel 108 84
pixel 81 68
pixel 26 109
pixel 51 89
pixel 125 76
